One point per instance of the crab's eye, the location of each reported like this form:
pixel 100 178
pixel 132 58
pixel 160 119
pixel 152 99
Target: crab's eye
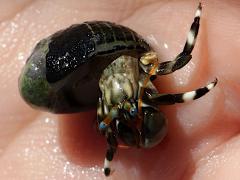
pixel 133 111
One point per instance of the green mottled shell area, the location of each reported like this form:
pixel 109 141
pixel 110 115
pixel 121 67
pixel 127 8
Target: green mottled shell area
pixel 32 82
pixel 39 93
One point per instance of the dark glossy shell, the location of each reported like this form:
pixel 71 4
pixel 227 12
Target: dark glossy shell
pixel 81 44
pixel 63 72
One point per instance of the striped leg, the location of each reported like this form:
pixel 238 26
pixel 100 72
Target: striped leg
pixel 112 147
pixel 105 116
pixel 167 99
pixel 104 119
pixel 183 58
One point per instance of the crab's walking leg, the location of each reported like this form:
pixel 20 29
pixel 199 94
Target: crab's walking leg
pixel 102 111
pixel 165 99
pixel 104 115
pixel 104 125
pixel 183 58
pixel 112 147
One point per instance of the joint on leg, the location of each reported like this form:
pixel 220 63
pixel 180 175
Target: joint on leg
pixel 109 157
pixel 185 56
pixel 107 169
pixel 199 10
pixel 192 95
pixel 167 99
pixel 149 58
pixel 192 35
pixel 108 119
pixel 112 147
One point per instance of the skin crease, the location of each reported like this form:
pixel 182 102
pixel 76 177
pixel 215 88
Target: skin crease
pixel 203 141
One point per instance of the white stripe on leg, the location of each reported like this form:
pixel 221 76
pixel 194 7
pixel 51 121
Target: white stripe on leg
pixel 190 38
pixel 199 10
pixel 188 96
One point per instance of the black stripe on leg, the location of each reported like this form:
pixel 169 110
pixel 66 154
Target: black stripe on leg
pixel 109 154
pixel 167 99
pixel 108 159
pixel 192 95
pixel 202 91
pixel 192 35
pixel 181 61
pixel 107 171
pixel 112 143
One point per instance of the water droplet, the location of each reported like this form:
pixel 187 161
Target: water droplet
pixel 47 120
pixel 20 56
pixel 3 45
pixel 165 45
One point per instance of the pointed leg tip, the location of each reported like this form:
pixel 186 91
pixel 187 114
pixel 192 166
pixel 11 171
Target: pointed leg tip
pixel 200 5
pixel 199 10
pixel 212 84
pixel 215 81
pixel 107 171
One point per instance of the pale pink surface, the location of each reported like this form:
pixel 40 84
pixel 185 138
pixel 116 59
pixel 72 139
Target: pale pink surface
pixel 203 140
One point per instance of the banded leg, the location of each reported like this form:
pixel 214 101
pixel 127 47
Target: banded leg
pixel 183 58
pixel 104 126
pixel 167 99
pixel 112 148
pixel 104 116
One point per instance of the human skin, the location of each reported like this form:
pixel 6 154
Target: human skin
pixel 203 140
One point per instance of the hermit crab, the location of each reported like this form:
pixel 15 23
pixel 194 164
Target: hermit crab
pixel 110 67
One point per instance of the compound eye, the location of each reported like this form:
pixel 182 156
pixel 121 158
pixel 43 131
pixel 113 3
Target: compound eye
pixel 133 111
